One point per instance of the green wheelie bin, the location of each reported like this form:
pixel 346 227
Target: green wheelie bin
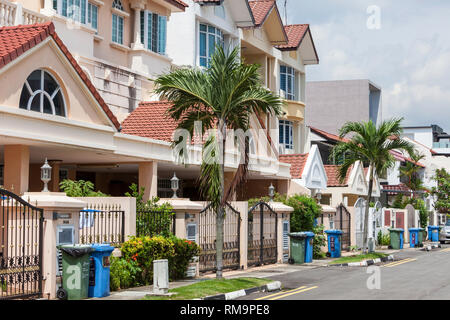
pixel 421 237
pixel 298 250
pixel 75 272
pixel 396 238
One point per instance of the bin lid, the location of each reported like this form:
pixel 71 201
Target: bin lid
pixel 75 250
pixel 334 231
pixel 396 229
pixel 433 227
pixel 102 247
pixel 309 234
pixel 298 235
pixel 415 229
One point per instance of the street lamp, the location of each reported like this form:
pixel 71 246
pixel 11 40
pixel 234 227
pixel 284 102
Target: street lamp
pixel 174 182
pixel 271 192
pixel 46 174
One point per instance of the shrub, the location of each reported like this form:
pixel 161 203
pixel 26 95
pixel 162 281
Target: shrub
pixel 383 239
pixel 319 242
pixel 123 273
pixel 306 210
pixel 80 188
pixel 143 250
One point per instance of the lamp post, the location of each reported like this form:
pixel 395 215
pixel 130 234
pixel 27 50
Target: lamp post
pixel 174 182
pixel 46 174
pixel 271 192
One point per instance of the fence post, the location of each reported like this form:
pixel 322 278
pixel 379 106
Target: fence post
pixel 242 207
pixel 18 18
pixel 283 213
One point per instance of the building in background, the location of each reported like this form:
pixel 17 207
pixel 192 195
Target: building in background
pixel 432 137
pixel 333 103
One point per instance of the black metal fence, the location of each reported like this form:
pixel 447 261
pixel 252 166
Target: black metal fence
pixel 153 222
pixel 102 226
pixel 20 248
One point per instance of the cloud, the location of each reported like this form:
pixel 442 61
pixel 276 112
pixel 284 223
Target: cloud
pixel 409 57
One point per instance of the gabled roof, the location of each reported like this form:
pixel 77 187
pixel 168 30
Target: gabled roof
pixel 149 120
pixel 333 176
pixel 261 9
pixel 295 33
pixel 297 162
pixel 328 136
pixel 16 40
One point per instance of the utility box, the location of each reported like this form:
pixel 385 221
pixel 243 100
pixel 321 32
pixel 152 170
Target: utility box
pixel 160 276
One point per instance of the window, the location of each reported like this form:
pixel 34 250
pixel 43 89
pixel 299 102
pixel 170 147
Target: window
pixel 286 134
pixel 93 16
pixel 117 29
pixel 287 82
pixel 219 11
pixel 81 11
pixel 191 232
pixel 43 94
pixel 209 37
pixel 117 4
pixel 153 31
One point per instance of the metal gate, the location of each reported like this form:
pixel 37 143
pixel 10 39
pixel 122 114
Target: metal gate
pixel 207 239
pixel 21 248
pixel 343 223
pixel 262 235
pixel 360 208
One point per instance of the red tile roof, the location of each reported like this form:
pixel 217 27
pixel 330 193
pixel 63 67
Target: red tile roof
pixel 397 187
pixel 261 9
pixel 295 33
pixel 14 41
pixel 297 162
pixel 399 156
pixel 149 120
pixel 333 176
pixel 328 136
pixel 178 3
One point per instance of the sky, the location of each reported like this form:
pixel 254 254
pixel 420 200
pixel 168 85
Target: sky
pixel 403 46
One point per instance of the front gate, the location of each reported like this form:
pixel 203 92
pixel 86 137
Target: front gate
pixel 21 248
pixel 262 235
pixel 207 239
pixel 343 223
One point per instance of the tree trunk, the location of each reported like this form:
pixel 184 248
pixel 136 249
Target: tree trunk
pixel 366 214
pixel 221 212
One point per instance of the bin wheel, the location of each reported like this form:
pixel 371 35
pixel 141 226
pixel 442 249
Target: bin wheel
pixel 61 294
pixel 291 261
pixel 389 247
pixel 328 254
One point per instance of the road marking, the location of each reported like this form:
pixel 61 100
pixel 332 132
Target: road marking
pixel 279 293
pixel 295 292
pixel 445 250
pixel 396 263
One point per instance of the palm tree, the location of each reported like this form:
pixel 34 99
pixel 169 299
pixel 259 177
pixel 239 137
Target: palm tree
pixel 371 146
pixel 222 96
pixel 410 171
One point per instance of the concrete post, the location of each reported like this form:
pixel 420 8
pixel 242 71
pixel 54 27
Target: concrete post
pixel 148 178
pixel 160 276
pixel 68 210
pixel 283 213
pixel 17 168
pixel 242 207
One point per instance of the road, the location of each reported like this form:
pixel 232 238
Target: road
pixel 414 275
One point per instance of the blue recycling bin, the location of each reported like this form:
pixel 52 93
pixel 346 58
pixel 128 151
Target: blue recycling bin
pixel 99 272
pixel 309 243
pixel 334 243
pixel 414 237
pixel 433 233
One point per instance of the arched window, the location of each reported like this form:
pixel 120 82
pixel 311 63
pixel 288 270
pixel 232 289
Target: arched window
pixel 117 4
pixel 43 94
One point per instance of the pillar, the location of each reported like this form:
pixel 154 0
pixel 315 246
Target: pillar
pixel 54 183
pixel 137 6
pixel 17 168
pixel 148 178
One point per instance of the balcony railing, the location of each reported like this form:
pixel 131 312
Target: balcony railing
pixel 13 14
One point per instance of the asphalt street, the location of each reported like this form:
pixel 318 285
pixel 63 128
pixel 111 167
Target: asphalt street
pixel 413 275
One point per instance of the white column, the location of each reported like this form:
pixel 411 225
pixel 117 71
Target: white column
pixel 48 8
pixel 137 6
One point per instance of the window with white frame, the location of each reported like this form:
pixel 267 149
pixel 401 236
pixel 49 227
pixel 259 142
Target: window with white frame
pixel 287 82
pixel 153 31
pixel 81 11
pixel 42 93
pixel 117 29
pixel 209 37
pixel 286 134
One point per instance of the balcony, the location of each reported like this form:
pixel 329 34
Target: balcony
pixel 13 14
pixel 295 110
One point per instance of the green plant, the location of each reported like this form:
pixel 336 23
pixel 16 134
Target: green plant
pixel 143 250
pixel 80 188
pixel 423 213
pixel 306 210
pixel 221 97
pixel 383 239
pixel 353 248
pixel 371 145
pixel 442 191
pixel 398 202
pixel 318 242
pixel 123 273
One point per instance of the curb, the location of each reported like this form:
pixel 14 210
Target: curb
pixel 364 263
pixel 431 246
pixel 272 286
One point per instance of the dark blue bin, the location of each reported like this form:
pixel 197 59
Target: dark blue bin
pixel 414 237
pixel 334 243
pixel 309 243
pixel 433 233
pixel 99 272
